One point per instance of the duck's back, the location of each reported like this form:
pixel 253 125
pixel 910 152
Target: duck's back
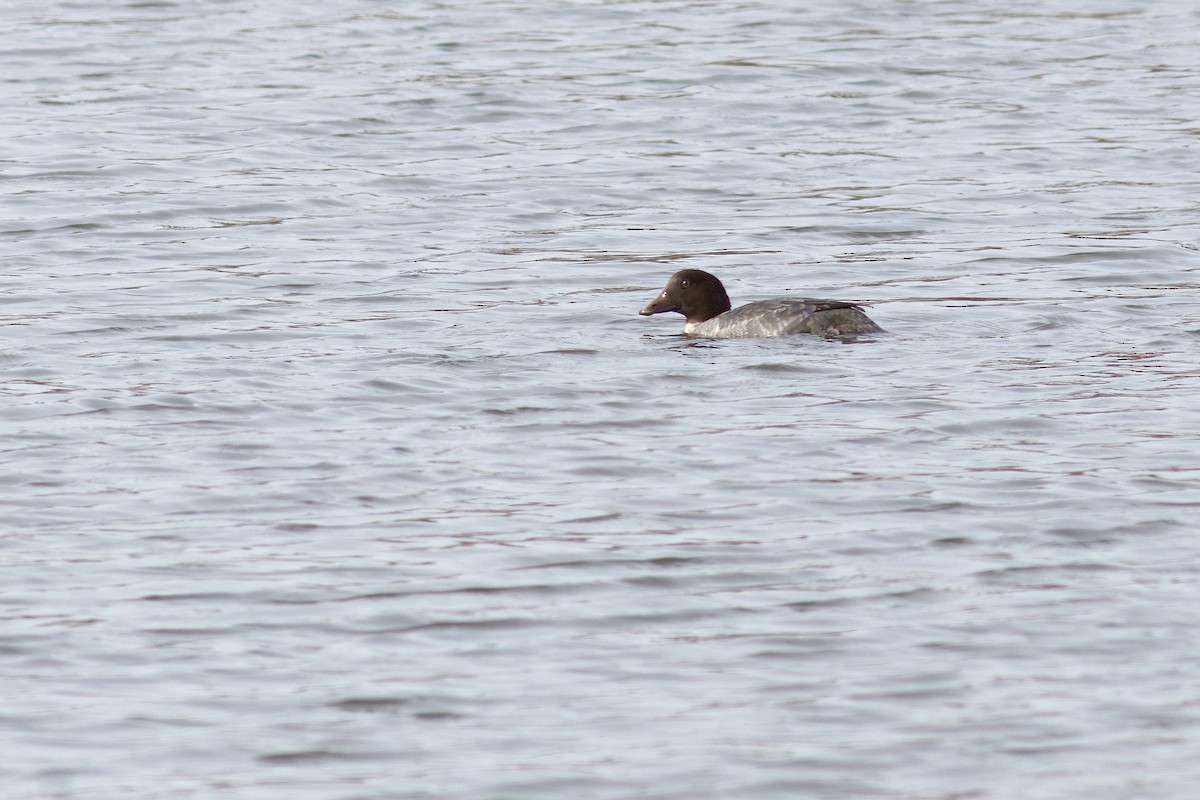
pixel 784 316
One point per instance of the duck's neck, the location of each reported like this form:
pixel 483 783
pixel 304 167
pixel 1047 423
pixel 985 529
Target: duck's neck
pixel 712 306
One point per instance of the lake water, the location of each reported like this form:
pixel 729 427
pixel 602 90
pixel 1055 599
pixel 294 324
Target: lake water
pixel 338 465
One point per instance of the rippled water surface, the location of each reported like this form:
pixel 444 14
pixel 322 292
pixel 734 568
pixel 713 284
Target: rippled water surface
pixel 337 464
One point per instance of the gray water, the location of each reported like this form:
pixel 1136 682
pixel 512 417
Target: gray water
pixel 337 463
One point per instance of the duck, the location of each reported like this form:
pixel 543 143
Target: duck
pixel 701 298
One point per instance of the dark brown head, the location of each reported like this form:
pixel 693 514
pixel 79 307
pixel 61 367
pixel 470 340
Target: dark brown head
pixel 694 293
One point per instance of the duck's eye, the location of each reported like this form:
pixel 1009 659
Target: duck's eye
pixel 684 284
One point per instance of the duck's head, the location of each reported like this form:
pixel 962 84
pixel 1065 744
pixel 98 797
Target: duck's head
pixel 696 294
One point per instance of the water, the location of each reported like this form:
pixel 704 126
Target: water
pixel 338 464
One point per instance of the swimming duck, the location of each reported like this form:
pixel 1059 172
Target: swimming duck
pixel 702 300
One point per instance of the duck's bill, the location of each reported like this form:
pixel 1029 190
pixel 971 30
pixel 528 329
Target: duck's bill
pixel 661 305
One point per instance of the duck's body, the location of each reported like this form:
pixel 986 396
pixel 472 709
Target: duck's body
pixel 702 300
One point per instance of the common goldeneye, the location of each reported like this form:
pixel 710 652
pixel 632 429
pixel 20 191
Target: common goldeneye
pixel 701 298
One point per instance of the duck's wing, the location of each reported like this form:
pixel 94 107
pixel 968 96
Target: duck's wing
pixel 834 318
